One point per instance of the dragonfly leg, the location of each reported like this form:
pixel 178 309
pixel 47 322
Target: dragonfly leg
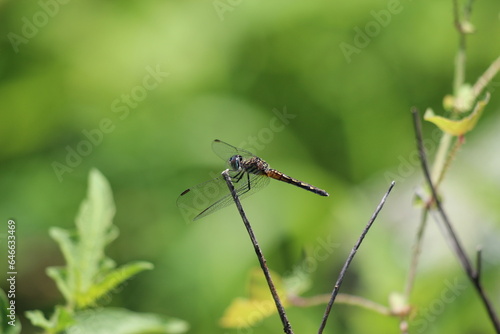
pixel 237 177
pixel 248 181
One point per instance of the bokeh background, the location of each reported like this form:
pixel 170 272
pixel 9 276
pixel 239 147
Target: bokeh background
pixel 154 82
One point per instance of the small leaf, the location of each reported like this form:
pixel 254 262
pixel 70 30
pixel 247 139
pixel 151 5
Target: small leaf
pixel 94 221
pixel 65 278
pixel 63 318
pixel 122 321
pixel 37 319
pixel 458 127
pixel 60 276
pixel 59 321
pixel 111 281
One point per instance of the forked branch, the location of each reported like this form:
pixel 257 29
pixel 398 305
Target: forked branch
pixel 472 274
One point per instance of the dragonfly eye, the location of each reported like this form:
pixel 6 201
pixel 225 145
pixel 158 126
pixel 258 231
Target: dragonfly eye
pixel 235 162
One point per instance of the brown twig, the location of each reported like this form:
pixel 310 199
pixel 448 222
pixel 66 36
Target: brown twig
pixel 472 274
pixel 287 328
pixel 340 279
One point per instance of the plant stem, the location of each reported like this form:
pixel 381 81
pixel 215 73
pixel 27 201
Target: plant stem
pixel 287 328
pixel 349 259
pixel 485 79
pixel 473 275
pixel 417 247
pixel 440 160
pixel 461 57
pixel 342 298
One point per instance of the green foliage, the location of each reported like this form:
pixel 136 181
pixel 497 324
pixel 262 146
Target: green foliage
pixel 122 321
pixel 232 75
pixel 90 275
pixel 61 319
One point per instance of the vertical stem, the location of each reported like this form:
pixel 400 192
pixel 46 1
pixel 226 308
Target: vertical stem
pixel 450 156
pixel 441 157
pixel 416 254
pixel 460 58
pixel 281 310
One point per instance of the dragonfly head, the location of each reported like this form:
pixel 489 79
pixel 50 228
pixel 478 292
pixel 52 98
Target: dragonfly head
pixel 235 162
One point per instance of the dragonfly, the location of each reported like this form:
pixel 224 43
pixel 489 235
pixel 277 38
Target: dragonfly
pixel 248 174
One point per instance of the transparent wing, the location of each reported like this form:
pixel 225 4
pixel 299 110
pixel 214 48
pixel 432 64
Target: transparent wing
pixel 208 197
pixel 226 151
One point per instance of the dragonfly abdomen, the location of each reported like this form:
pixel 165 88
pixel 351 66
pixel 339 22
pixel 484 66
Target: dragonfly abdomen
pixel 277 175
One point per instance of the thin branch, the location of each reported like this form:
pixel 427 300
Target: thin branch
pixel 485 79
pixel 340 279
pixel 460 60
pixel 287 328
pixel 449 159
pixel 466 264
pixel 423 160
pixel 342 298
pixel 479 253
pixel 417 247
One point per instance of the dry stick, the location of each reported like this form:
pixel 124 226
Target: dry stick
pixel 281 310
pixel 474 275
pixel 336 288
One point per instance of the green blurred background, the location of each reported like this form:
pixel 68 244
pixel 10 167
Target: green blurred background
pixel 270 77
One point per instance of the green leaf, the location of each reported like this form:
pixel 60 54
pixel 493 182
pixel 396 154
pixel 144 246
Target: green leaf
pixel 88 274
pixel 60 320
pixel 37 319
pixel 111 281
pixel 458 127
pixel 8 324
pixel 60 276
pixel 93 223
pixel 122 321
pixel 65 278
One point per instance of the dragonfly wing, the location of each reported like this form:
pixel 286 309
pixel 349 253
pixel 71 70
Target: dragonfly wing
pixel 202 196
pixel 248 185
pixel 213 195
pixel 226 151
